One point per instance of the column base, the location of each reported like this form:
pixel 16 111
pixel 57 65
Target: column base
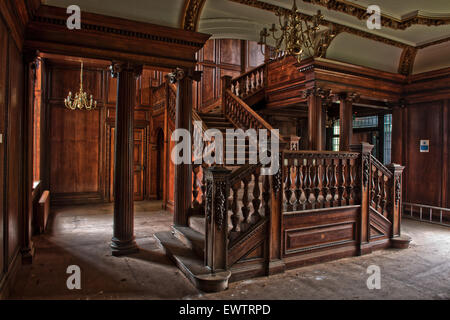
pixel 123 248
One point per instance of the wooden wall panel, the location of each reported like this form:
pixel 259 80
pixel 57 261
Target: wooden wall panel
pixel 424 171
pixel 3 101
pixel 254 55
pixel 75 151
pixel 14 142
pixel 224 57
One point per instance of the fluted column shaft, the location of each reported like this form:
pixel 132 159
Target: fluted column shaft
pixel 123 241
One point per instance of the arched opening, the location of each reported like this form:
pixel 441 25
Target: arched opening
pixel 160 165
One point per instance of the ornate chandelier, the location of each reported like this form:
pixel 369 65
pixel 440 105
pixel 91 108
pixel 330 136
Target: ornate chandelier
pixel 81 100
pixel 300 34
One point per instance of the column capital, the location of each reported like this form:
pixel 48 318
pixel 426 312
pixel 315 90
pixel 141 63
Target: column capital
pixel 118 67
pixel 179 74
pixel 349 96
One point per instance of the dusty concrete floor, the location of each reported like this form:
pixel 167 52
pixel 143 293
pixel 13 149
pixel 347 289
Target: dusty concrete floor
pixel 80 236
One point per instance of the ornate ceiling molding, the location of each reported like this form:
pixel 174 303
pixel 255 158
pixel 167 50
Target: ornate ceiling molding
pixel 360 12
pixel 338 27
pixel 407 61
pixel 191 14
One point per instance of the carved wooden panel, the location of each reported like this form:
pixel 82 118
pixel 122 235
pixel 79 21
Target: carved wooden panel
pixel 255 57
pixel 14 146
pixel 75 151
pixel 208 85
pixel 230 52
pixel 424 170
pixel 3 80
pixel 139 163
pixel 319 230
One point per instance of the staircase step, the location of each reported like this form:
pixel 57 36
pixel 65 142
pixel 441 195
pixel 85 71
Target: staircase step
pixel 192 239
pixel 198 224
pixel 191 265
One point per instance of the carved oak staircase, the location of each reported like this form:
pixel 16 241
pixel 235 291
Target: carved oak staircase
pixel 319 206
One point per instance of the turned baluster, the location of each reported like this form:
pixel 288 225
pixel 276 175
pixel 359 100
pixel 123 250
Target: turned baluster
pixel 307 183
pixel 266 195
pixel 326 184
pixel 256 216
pixel 203 188
pixel 298 186
pixel 334 182
pixel 343 186
pixel 378 187
pixel 287 188
pixel 316 184
pixel 384 195
pixel 245 201
pixel 234 208
pixel 373 188
pixel 195 189
pixel 351 181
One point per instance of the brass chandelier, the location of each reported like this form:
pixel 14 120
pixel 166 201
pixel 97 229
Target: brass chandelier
pixel 81 101
pixel 300 34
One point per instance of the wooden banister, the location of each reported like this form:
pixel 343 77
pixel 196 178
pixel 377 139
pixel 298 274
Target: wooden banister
pixel 242 116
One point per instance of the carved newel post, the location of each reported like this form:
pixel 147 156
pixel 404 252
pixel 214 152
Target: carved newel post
pixel 396 195
pixel 183 172
pixel 216 211
pixel 364 166
pixel 123 241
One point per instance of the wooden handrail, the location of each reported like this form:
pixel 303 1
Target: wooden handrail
pixel 249 111
pixel 377 163
pixel 243 75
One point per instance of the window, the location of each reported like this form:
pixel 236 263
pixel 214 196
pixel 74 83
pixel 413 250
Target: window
pixel 387 138
pixel 335 138
pixel 37 126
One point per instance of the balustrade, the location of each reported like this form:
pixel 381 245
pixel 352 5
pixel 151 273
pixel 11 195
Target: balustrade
pixel 248 83
pixel 317 180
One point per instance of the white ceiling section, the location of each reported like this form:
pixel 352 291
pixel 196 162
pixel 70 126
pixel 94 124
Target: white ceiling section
pixel 432 58
pixel 228 19
pixel 163 12
pixel 364 52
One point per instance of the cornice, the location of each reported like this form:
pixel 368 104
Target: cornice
pixel 339 5
pixel 360 12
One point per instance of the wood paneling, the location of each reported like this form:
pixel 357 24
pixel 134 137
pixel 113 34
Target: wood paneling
pixel 224 57
pixel 319 231
pixel 81 142
pixel 3 108
pixel 75 151
pixel 14 142
pixel 424 170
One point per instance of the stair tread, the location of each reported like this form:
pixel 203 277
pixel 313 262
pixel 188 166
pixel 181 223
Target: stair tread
pixel 182 253
pixel 197 223
pixel 196 238
pixel 191 265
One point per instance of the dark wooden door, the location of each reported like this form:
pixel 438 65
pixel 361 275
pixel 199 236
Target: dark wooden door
pixel 139 164
pixel 138 161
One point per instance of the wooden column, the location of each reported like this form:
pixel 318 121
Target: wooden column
pixel 364 167
pixel 27 249
pixel 183 172
pixel 345 121
pixel 123 241
pixel 316 118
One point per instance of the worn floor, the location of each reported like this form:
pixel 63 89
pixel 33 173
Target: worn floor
pixel 80 236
